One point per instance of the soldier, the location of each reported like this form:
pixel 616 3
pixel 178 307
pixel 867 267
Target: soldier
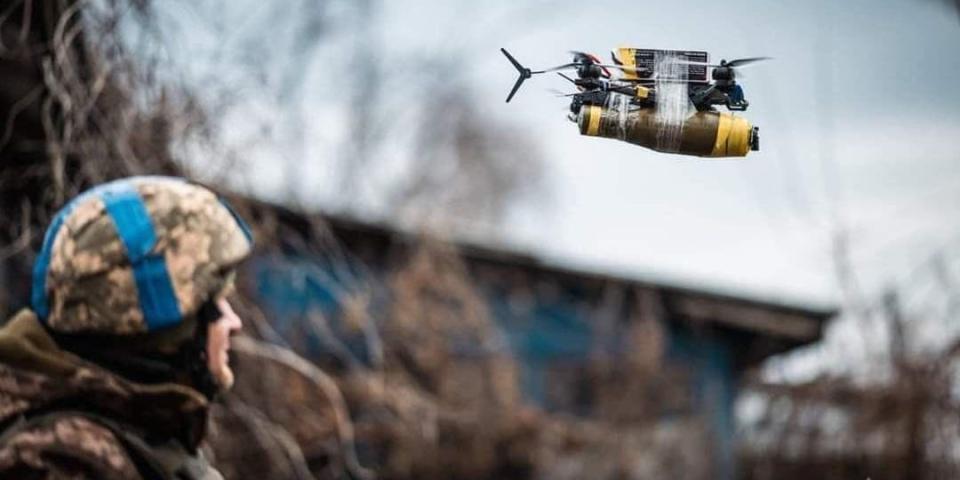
pixel 110 374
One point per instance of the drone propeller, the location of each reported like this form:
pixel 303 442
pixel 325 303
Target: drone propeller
pixel 581 56
pixel 740 62
pixel 727 70
pixel 743 61
pixel 581 60
pixel 566 66
pixel 526 73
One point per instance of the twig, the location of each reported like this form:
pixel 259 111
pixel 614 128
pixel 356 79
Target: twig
pixel 325 383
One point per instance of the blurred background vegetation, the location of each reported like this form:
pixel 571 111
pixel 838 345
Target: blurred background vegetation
pixel 390 335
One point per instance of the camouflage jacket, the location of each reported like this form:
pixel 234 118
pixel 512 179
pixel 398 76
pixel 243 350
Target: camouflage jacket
pixel 63 417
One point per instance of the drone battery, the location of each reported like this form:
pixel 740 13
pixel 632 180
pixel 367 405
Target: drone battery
pixel 648 60
pixel 704 134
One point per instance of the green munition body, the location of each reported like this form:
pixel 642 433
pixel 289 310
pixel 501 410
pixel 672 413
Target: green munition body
pixel 704 134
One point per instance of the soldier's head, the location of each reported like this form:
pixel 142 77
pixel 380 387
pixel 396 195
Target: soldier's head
pixel 134 275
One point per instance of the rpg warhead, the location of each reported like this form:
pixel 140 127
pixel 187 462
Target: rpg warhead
pixel 658 99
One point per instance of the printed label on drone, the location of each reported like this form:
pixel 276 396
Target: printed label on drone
pixel 698 73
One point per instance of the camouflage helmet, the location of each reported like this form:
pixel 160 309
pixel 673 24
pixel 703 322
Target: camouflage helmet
pixel 136 255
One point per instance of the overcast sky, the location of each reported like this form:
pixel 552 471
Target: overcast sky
pixel 859 119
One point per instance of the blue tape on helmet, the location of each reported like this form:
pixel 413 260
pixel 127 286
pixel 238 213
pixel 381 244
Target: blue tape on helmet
pixel 130 216
pixel 158 302
pixel 38 293
pixel 123 203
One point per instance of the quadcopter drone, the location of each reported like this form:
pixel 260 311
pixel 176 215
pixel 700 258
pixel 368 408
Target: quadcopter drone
pixel 602 96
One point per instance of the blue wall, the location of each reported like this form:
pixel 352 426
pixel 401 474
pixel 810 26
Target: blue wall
pixel 709 359
pixel 290 288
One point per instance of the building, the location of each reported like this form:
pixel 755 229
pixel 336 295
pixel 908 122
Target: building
pixel 587 344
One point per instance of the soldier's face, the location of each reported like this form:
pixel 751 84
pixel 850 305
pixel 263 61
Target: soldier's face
pixel 218 344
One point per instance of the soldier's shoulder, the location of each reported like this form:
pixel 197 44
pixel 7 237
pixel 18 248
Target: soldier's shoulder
pixel 68 446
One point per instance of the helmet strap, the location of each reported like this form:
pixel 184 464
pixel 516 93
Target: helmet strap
pixel 193 353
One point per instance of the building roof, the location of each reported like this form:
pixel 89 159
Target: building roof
pixel 765 326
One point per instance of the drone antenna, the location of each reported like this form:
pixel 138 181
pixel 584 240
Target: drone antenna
pixel 525 73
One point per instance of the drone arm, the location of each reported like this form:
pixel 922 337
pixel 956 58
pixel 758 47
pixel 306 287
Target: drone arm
pixel 703 99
